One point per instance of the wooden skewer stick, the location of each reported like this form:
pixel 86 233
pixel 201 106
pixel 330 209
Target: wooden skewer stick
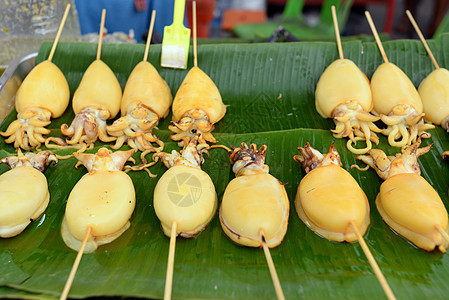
pixel 383 282
pixel 58 34
pixel 171 262
pixel 337 32
pixel 69 281
pixel 150 34
pixel 274 275
pixel 376 36
pixel 100 38
pixel 195 56
pixel 423 40
pixel 443 233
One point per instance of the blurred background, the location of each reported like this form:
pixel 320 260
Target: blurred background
pixel 25 24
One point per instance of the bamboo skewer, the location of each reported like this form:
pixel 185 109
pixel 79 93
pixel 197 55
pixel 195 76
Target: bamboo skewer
pixel 171 262
pixel 273 273
pixel 100 38
pixel 150 34
pixel 443 232
pixel 383 282
pixel 380 276
pixel 376 36
pixel 195 56
pixel 58 34
pixel 76 263
pixel 423 40
pixel 337 32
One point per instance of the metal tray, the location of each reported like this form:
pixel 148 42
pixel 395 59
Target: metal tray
pixel 12 78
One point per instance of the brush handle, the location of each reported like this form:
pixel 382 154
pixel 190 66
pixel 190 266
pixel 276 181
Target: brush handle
pixel 178 15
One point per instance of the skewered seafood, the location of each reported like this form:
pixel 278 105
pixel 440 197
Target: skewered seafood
pixel 96 100
pixel 396 98
pixel 44 94
pixel 434 93
pixel 24 192
pixel 406 201
pixel 103 199
pixel 196 108
pixel 343 93
pixel 146 99
pixel 328 197
pixel 254 202
pixel 185 194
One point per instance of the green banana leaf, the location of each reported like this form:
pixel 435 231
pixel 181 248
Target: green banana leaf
pixel 269 90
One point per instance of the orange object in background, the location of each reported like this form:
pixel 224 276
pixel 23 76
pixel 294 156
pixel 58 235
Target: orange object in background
pixel 232 18
pixel 204 16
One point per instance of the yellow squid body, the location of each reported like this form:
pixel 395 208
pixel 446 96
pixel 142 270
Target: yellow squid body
pixel 391 87
pixel 185 195
pixel 328 198
pixel 44 87
pixel 146 86
pixel 434 92
pixel 342 81
pixel 99 86
pixel 409 205
pixel 252 203
pixel 102 200
pixel 198 91
pixel 24 197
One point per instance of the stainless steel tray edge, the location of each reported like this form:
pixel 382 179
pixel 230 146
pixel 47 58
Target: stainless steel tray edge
pixel 12 78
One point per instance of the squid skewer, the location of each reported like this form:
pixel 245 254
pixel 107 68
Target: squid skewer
pixel 197 105
pixel 343 93
pixel 96 100
pixel 396 98
pixel 24 194
pixel 146 99
pixel 99 206
pixel 185 200
pixel 406 201
pixel 434 89
pixel 332 204
pixel 44 94
pixel 255 208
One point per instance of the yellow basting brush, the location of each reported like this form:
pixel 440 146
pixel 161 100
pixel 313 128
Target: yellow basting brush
pixel 176 41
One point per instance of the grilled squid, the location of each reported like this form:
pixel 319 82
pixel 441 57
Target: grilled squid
pixel 103 199
pixel 328 198
pixel 146 99
pixel 396 98
pixel 434 93
pixel 254 202
pixel 406 201
pixel 196 108
pixel 343 93
pixel 44 94
pixel 24 194
pixel 185 194
pixel 96 100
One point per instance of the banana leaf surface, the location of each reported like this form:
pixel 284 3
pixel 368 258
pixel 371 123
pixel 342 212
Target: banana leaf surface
pixel 269 90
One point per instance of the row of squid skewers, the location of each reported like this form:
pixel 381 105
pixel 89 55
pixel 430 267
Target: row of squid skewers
pixel 345 94
pixel 255 207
